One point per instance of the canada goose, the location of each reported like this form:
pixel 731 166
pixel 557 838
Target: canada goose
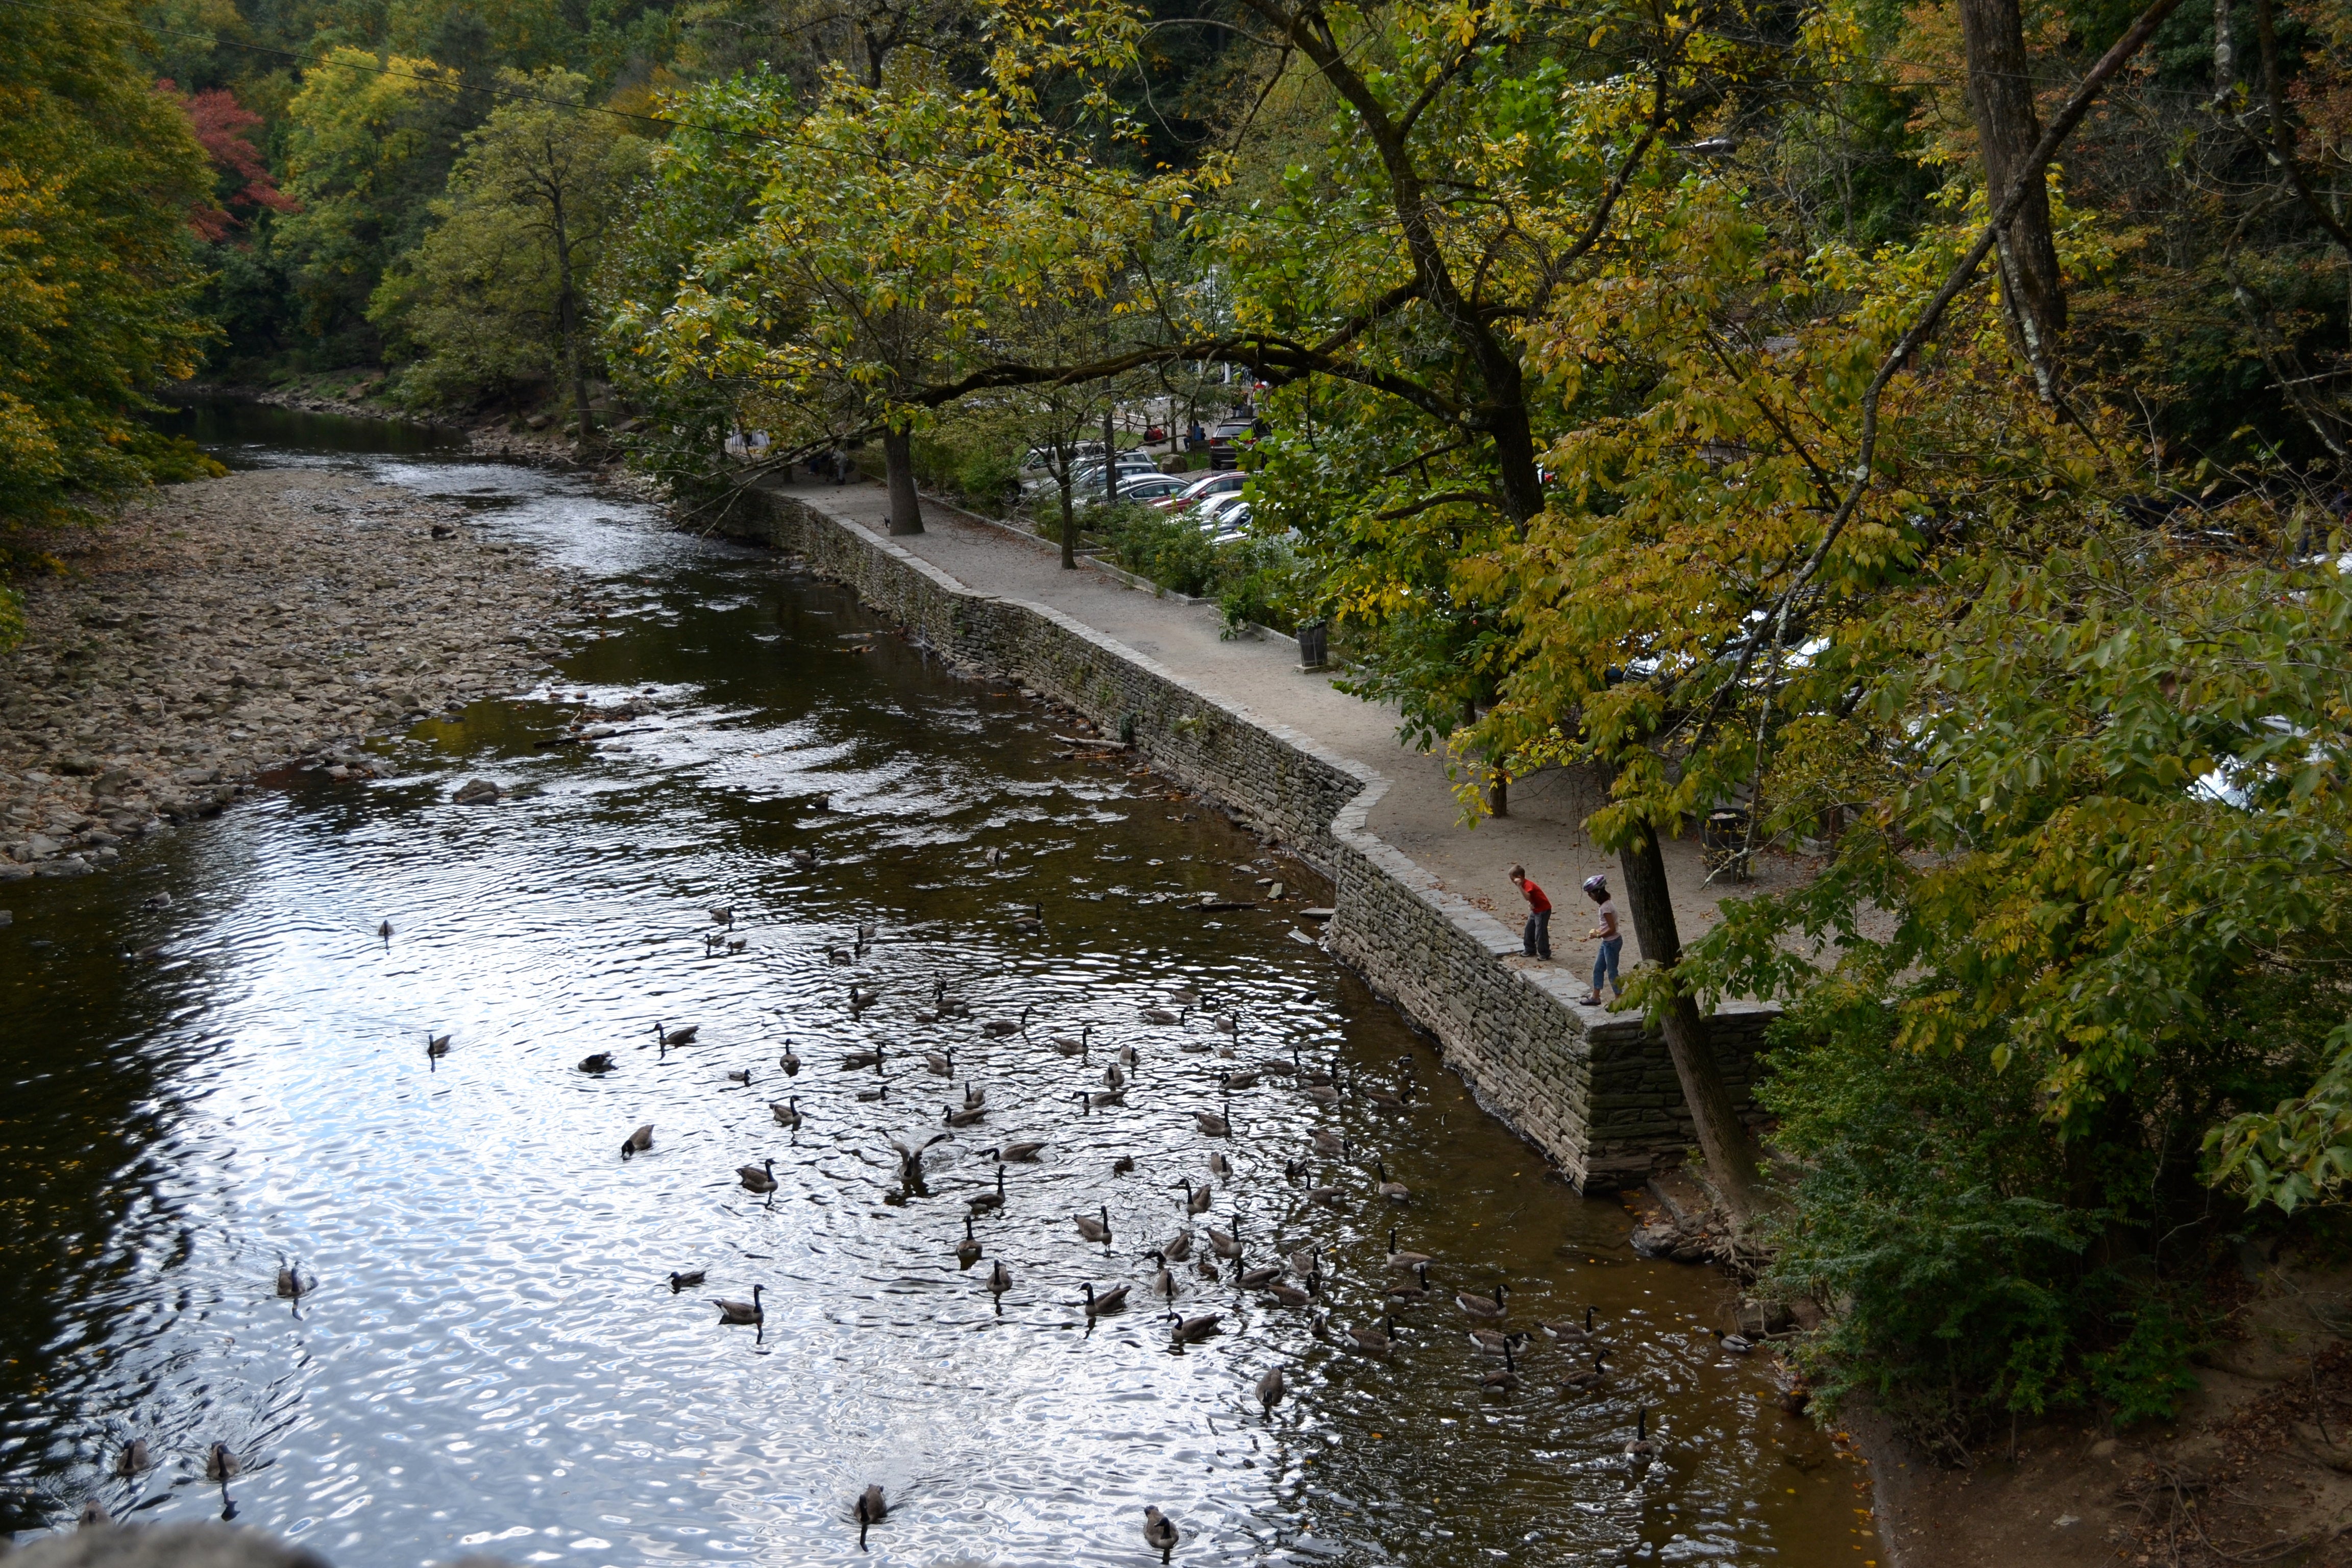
pixel 1488 1343
pixel 600 1062
pixel 1016 1152
pixel 867 931
pixel 789 1062
pixel 1641 1450
pixel 1226 1245
pixel 759 1178
pixel 1291 1295
pixel 1215 1125
pixel 964 1116
pixel 1395 1192
pixel 1181 1248
pixel 221 1466
pixel 968 1249
pixel 637 1143
pixel 1329 1197
pixel 686 1279
pixel 723 914
pixel 1114 1077
pixel 740 1312
pixel 1160 1532
pixel 290 1283
pixel 1505 1381
pixel 1570 1333
pixel 1323 1094
pixel 1127 1056
pixel 787 1112
pixel 436 1045
pixel 910 1160
pixel 987 1199
pixel 1270 1391
pixel 1111 1300
pixel 1306 1260
pixel 1405 1262
pixel 999 1278
pixel 1162 1016
pixel 1372 1341
pixel 1586 1382
pixel 879 1091
pixel 135 1459
pixel 743 1078
pixel 871 1510
pixel 1319 1325
pixel 942 1063
pixel 1259 1278
pixel 974 1094
pixel 804 858
pixel 856 1060
pixel 1162 1283
pixel 1033 920
pixel 669 1037
pixel 861 998
pixel 93 1516
pixel 1231 1081
pixel 1738 1344
pixel 1196 1199
pixel 1219 1167
pixel 1329 1144
pixel 1192 1330
pixel 1411 1295
pixel 1092 1229
pixel 1479 1307
pixel 1388 1101
pixel 384 930
pixel 1070 1047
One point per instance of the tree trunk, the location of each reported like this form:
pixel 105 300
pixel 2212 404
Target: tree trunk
pixel 1722 1136
pixel 899 465
pixel 1070 514
pixel 2225 52
pixel 567 309
pixel 2000 96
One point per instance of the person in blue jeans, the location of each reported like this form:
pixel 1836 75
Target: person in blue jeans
pixel 1613 941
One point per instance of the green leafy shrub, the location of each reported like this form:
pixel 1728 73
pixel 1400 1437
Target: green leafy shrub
pixel 1170 549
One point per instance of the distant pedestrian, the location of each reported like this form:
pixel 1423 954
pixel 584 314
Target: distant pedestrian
pixel 1536 941
pixel 1613 941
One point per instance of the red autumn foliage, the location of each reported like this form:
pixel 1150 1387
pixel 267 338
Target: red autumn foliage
pixel 220 123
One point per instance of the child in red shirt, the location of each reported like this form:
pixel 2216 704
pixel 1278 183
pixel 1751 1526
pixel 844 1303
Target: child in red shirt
pixel 1536 941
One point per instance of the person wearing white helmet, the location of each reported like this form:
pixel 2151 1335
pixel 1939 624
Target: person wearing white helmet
pixel 1613 941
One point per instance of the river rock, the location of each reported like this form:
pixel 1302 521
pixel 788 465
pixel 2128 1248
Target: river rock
pixel 166 1546
pixel 476 792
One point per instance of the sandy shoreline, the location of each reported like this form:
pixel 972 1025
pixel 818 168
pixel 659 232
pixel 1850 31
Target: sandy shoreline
pixel 220 629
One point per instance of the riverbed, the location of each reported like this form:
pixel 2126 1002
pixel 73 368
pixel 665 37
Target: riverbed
pixel 488 1354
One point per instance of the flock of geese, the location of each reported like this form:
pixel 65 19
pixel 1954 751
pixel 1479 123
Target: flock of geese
pixel 1296 1280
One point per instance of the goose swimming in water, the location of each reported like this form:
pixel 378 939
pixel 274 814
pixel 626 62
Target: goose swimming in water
pixel 987 1199
pixel 1213 1124
pixel 436 1045
pixel 1411 1294
pixel 1070 1047
pixel 743 1078
pixel 1112 1301
pixel 1480 1306
pixel 135 1459
pixel 1092 1229
pixel 1162 1016
pixel 871 1510
pixel 1183 1330
pixel 1395 1192
pixel 669 1037
pixel 1586 1382
pixel 1181 1248
pixel 942 1063
pixel 963 1116
pixel 788 1061
pixel 1227 1246
pixel 1736 1344
pixel 1160 1532
pixel 1196 1199
pixel 856 1060
pixel 740 1312
pixel 1033 920
pixel 1219 1167
pixel 787 1112
pixel 910 1160
pixel 1405 1262
pixel 600 1062
pixel 880 1091
pixel 637 1143
pixel 1016 1151
pixel 1506 1380
pixel 1162 1283
pixel 999 1278
pixel 1259 1278
pixel 1641 1450
pixel 1000 1028
pixel 1373 1341
pixel 759 1178
pixel 968 1249
pixel 1270 1390
pixel 1329 1144
pixel 291 1286
pixel 686 1279
pixel 1570 1333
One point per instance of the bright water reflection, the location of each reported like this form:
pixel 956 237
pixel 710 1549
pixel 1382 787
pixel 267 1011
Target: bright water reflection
pixel 494 1360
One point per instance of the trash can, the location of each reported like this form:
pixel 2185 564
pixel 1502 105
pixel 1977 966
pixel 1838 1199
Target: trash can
pixel 1723 842
pixel 1313 644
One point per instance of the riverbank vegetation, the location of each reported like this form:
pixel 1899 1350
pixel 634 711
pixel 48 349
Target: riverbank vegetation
pixel 1915 436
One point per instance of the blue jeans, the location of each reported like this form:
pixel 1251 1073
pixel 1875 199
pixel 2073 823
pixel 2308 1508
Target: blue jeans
pixel 1536 941
pixel 1605 962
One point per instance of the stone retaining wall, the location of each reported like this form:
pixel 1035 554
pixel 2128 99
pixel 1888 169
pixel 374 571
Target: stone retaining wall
pixel 1595 1093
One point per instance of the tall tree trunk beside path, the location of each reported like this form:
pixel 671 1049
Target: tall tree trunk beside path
pixel 1722 1136
pixel 898 467
pixel 2000 100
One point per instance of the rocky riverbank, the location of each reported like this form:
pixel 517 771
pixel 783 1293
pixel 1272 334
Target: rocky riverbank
pixel 221 629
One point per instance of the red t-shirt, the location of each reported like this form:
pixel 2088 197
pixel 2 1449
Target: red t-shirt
pixel 1536 900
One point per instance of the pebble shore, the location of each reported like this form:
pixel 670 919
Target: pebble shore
pixel 221 629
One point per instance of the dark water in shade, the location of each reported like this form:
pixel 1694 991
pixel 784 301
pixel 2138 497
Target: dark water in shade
pixel 493 1360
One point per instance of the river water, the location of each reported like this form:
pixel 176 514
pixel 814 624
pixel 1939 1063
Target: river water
pixel 493 1359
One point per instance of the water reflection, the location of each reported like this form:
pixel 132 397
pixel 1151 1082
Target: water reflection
pixel 494 1357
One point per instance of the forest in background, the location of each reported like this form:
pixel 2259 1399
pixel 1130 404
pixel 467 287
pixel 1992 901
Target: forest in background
pixel 1917 431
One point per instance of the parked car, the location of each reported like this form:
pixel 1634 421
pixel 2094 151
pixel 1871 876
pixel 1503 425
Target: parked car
pixel 1233 432
pixel 1201 489
pixel 1153 488
pixel 1232 523
pixel 1212 515
pixel 1088 478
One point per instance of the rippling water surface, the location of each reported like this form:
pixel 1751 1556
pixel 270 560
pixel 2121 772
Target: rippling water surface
pixel 493 1358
